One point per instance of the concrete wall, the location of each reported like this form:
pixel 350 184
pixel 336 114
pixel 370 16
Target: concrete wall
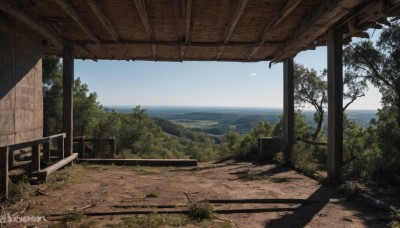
pixel 21 97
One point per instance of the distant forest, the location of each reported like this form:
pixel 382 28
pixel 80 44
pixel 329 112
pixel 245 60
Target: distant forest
pixel 371 145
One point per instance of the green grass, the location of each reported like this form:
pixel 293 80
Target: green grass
pixel 195 123
pixel 202 211
pixel 20 191
pixel 62 177
pixel 74 216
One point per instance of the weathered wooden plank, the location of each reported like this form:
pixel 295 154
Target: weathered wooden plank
pixel 94 5
pixel 335 103
pixel 19 146
pixel 42 174
pixel 288 107
pixel 276 20
pixel 4 173
pixel 141 9
pixel 143 162
pixel 232 24
pixel 317 23
pixel 68 82
pixel 32 21
pixel 69 9
pixel 177 43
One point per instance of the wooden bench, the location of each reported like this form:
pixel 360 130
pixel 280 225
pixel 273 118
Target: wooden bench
pixel 43 173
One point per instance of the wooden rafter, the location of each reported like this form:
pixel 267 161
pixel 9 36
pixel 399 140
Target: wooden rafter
pixel 308 32
pixel 70 10
pixel 94 5
pixel 178 43
pixel 97 10
pixel 33 22
pixel 232 24
pixel 80 47
pixel 276 20
pixel 188 19
pixel 141 8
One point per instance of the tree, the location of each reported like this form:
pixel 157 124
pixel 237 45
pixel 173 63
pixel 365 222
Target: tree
pixel 52 95
pixel 379 64
pixel 311 89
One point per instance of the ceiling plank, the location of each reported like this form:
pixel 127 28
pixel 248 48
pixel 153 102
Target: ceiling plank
pixel 98 11
pixel 232 24
pixel 141 9
pixel 328 13
pixel 275 21
pixel 188 19
pixel 178 43
pixel 69 9
pixel 33 22
pixel 96 8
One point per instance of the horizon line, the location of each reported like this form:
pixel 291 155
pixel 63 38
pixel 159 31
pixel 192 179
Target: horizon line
pixel 230 107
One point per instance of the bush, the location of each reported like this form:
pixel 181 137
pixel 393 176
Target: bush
pixel 201 211
pixel 279 158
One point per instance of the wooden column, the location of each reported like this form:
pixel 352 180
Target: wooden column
pixel 288 107
pixel 60 144
pixel 46 152
pixel 68 84
pixel 335 103
pixel 4 173
pixel 35 164
pixel 81 153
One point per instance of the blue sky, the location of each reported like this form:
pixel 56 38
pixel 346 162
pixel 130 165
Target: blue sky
pixel 211 84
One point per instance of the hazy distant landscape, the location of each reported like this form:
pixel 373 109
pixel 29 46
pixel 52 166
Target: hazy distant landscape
pixel 219 120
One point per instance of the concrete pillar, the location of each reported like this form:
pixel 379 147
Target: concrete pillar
pixel 68 84
pixel 288 107
pixel 335 103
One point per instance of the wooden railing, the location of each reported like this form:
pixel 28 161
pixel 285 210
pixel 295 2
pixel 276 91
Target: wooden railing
pixel 97 146
pixel 7 157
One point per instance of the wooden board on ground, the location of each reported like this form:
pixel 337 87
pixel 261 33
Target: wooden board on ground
pixel 143 162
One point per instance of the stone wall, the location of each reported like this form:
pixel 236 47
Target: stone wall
pixel 21 96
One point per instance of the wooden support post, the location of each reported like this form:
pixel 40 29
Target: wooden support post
pixel 81 153
pixel 61 148
pixel 10 159
pixel 46 152
pixel 35 164
pixel 288 107
pixel 4 173
pixel 335 103
pixel 68 84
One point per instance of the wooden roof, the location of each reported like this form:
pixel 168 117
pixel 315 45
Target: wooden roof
pixel 177 30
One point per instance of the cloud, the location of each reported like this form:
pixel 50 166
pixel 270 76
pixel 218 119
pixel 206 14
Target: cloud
pixel 253 75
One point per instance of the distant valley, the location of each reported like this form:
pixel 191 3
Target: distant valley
pixel 217 121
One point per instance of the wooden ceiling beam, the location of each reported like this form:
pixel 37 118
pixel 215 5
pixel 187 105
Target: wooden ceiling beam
pixel 96 8
pixel 327 14
pixel 32 21
pixel 178 43
pixel 275 21
pixel 141 9
pixel 188 19
pixel 70 10
pixel 98 11
pixel 232 24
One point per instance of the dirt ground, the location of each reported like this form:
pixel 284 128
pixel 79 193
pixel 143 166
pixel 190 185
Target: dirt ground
pixel 118 188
